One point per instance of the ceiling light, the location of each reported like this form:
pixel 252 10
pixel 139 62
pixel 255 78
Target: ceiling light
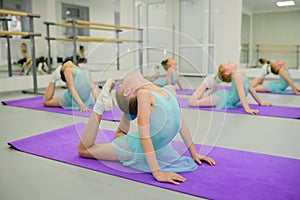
pixel 285 3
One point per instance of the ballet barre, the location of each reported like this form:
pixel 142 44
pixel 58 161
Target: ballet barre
pixel 31 34
pixel 18 13
pixel 80 24
pixel 91 39
pixel 3 33
pixel 103 25
pixel 279 48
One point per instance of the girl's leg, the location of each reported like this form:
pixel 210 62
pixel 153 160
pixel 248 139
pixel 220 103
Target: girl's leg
pixel 48 97
pixel 260 88
pixel 23 66
pixel 256 82
pixel 206 101
pixel 198 94
pixel 29 68
pixel 87 147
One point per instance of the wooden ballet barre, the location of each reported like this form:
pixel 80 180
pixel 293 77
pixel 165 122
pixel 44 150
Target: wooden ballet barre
pixel 17 13
pixel 58 38
pixel 278 51
pixel 276 45
pixel 19 33
pixel 95 39
pixel 105 25
pixel 80 26
pixel 90 39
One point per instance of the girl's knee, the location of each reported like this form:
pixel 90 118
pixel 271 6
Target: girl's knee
pixel 81 150
pixel 193 101
pixel 45 103
pixel 68 63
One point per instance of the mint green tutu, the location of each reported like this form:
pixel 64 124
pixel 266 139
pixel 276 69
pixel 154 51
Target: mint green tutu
pixel 165 123
pixel 229 98
pixel 163 81
pixel 83 87
pixel 281 85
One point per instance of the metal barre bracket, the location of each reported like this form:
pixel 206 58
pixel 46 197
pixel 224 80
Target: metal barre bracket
pixel 49 23
pixel 33 15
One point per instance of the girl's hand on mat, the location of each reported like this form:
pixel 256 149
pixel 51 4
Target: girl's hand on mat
pixel 266 104
pixel 83 108
pixel 198 158
pixel 168 177
pixel 252 111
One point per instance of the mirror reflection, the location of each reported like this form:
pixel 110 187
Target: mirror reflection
pixel 269 31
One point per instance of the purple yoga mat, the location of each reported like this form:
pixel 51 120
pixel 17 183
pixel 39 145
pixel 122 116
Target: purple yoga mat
pixel 185 92
pixel 116 114
pixel 271 111
pixel 191 91
pixel 36 103
pixel 237 175
pixel 285 92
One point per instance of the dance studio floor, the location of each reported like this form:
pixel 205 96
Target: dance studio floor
pixel 24 176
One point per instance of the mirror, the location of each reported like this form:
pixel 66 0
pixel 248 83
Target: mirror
pixel 270 32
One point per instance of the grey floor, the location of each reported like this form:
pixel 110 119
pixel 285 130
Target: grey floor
pixel 24 176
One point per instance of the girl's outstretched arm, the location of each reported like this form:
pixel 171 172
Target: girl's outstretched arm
pixel 70 84
pixel 289 81
pixel 238 80
pixel 256 98
pixel 186 136
pixel 145 99
pixel 169 76
pixel 94 89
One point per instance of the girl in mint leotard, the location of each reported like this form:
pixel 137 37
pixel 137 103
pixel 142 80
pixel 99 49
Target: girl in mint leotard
pixel 149 149
pixel 81 92
pixel 228 72
pixel 170 65
pixel 285 79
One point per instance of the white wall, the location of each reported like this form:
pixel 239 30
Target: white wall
pixel 227 15
pixel 277 28
pixel 228 30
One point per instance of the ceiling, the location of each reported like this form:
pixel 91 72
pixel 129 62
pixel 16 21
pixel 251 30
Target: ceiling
pixel 261 6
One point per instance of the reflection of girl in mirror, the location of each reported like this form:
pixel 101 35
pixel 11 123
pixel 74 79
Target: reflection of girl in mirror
pixel 25 60
pixel 264 71
pixel 81 93
pixel 240 87
pixel 285 79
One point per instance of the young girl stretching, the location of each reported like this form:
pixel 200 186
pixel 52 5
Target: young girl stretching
pixel 210 82
pixel 170 65
pixel 228 72
pixel 150 149
pixel 285 79
pixel 81 91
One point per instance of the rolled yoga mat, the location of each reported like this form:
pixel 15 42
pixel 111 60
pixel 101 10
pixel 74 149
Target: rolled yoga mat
pixel 237 175
pixel 36 103
pixel 270 111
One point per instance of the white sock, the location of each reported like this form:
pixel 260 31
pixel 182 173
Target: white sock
pixel 56 74
pixel 99 107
